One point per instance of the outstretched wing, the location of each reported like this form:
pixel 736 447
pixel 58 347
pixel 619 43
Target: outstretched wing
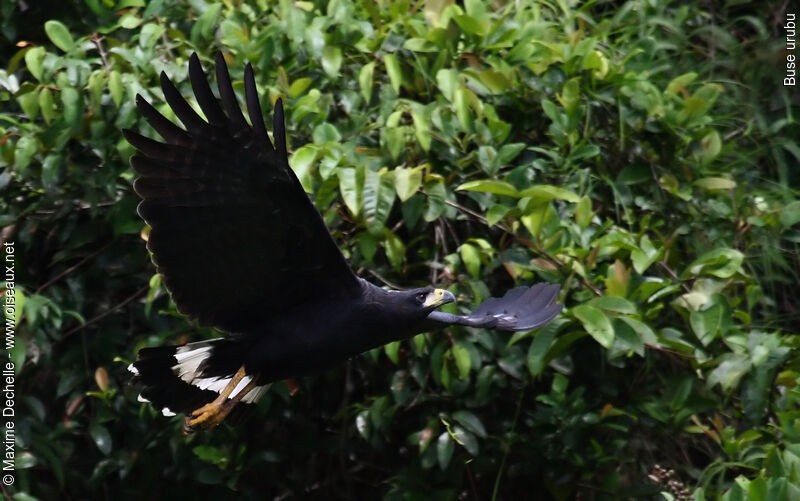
pixel 520 309
pixel 233 234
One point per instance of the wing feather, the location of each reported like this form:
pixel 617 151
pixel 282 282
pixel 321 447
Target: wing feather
pixel 166 129
pixel 233 234
pixel 237 124
pixel 521 308
pixel 202 92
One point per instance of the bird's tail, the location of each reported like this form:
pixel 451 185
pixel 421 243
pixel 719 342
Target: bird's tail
pixel 179 379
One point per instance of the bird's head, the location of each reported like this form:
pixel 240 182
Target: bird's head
pixel 415 304
pixel 428 299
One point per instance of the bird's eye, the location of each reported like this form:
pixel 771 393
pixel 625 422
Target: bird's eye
pixel 421 297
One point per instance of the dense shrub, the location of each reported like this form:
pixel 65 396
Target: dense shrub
pixel 642 154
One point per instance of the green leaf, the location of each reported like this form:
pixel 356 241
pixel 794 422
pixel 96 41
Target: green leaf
pixel 583 212
pixel 475 8
pixel 462 359
pixel 395 140
pixel 407 182
pixel 202 29
pixel 645 255
pixel 131 21
pixel 570 94
pixel 554 113
pixel 51 167
pixel 97 84
pixel 460 101
pixel 34 60
pixel 331 60
pixel 549 192
pixel 471 422
pixel 46 104
pixel 679 83
pixel 534 218
pixel 496 213
pixel 23 461
pixel 395 250
pixel 420 45
pixel 538 351
pixel 466 440
pixel 326 132
pixel 422 127
pixel 613 303
pixel 378 198
pixel 302 161
pixel 509 152
pixel 392 351
pixel 444 449
pixel 298 87
pixel 627 338
pixel 24 150
pixel 394 71
pixel 729 372
pixel 722 263
pixel 582 152
pixel 351 186
pixel 59 35
pixel 790 214
pixel 437 195
pixel 365 79
pixel 699 103
pixel 101 437
pixel 490 186
pixel 470 25
pixel 367 244
pixel 211 454
pixel 598 62
pixel 471 258
pixel 115 87
pixel 447 81
pixel 711 145
pixel 362 423
pixel 29 102
pixel 71 101
pixel 715 183
pixel 706 324
pixel 495 81
pixel 643 330
pixel 596 323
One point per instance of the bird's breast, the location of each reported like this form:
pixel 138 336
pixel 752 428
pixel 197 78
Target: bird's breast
pixel 312 339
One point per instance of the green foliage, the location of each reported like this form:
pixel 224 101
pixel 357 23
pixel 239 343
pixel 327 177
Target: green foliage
pixel 638 153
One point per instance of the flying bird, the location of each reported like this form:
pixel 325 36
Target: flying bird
pixel 241 248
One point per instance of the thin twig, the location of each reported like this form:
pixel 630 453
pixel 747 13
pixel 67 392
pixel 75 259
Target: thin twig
pixel 554 260
pixel 107 312
pixel 435 261
pixel 384 280
pixel 672 274
pixel 71 268
pixel 343 428
pixel 508 448
pixel 97 39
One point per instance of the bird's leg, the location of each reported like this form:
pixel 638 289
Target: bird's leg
pixel 215 412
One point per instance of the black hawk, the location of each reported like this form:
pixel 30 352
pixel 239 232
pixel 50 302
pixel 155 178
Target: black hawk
pixel 241 248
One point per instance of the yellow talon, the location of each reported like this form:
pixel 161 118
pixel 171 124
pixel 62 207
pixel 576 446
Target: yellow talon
pixel 213 413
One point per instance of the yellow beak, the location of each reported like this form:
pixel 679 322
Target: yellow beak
pixel 438 297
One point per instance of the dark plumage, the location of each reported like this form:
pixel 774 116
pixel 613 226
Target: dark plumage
pixel 242 248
